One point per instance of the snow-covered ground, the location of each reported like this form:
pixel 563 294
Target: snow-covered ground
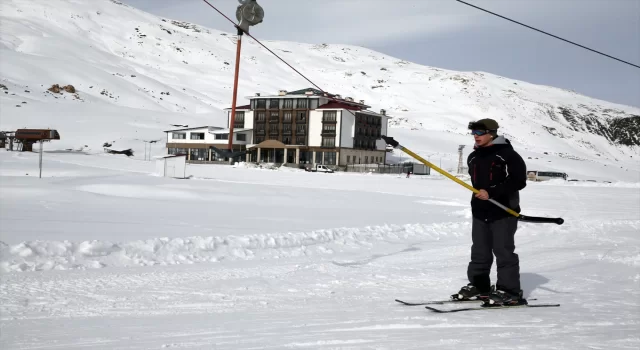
pixel 102 254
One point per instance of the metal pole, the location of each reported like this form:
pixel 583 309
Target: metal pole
pixel 41 147
pixel 232 120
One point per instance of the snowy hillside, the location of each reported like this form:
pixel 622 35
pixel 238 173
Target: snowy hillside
pixel 135 75
pixel 102 253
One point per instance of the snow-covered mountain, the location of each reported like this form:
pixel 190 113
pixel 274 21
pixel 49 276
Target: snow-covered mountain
pixel 134 75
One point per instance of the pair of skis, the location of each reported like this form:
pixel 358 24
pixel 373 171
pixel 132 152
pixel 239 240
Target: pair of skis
pixel 483 305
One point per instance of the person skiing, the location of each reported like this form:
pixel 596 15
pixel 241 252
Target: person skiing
pixel 498 172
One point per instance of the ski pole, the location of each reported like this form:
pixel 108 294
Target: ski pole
pixel 395 144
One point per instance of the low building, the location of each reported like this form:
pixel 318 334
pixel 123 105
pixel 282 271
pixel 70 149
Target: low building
pixel 312 127
pixel 535 175
pixel 206 143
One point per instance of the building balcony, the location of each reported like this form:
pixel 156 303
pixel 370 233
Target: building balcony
pixel 260 132
pixel 274 120
pixel 274 132
pixel 329 120
pixel 301 120
pixel 328 133
pixel 301 132
pixel 286 132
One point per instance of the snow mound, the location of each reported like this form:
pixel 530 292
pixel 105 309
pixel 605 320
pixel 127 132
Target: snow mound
pixel 66 255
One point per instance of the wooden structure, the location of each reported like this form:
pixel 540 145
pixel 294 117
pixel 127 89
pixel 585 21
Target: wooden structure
pixel 27 137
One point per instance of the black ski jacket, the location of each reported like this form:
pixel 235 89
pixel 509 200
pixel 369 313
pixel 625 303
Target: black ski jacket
pixel 501 171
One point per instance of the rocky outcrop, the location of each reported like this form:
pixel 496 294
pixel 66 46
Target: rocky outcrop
pixel 615 126
pixel 56 89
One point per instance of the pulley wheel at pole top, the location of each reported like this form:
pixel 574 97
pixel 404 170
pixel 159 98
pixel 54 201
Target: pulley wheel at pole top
pixel 249 13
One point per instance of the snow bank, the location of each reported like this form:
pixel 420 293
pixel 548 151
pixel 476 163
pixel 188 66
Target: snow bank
pixel 65 255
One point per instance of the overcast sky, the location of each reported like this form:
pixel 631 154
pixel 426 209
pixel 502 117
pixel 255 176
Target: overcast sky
pixel 448 34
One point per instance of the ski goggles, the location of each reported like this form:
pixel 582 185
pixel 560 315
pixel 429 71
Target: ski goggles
pixel 479 132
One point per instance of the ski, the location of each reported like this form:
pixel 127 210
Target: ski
pixel 485 307
pixel 434 302
pixel 440 302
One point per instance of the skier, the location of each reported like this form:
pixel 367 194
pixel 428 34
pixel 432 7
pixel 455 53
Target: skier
pixel 498 172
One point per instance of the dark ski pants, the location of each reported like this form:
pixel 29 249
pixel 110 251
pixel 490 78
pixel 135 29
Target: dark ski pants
pixel 497 238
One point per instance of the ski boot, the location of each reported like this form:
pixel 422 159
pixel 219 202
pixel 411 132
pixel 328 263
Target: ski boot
pixel 470 292
pixel 502 298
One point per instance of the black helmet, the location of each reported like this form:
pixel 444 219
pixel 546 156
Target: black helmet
pixel 484 124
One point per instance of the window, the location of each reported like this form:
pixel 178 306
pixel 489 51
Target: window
pixel 329 116
pixel 329 158
pixel 319 157
pixel 238 121
pixel 262 103
pixel 300 140
pixel 328 142
pixel 199 154
pixel 288 104
pixel 241 137
pixel 261 116
pixel 274 117
pixel 178 136
pixel 286 140
pixel 300 129
pixel 222 136
pixel 329 127
pixel 302 103
pixel 288 117
pixel 348 159
pixel 197 136
pixel 302 117
pixel 366 159
pixel 274 104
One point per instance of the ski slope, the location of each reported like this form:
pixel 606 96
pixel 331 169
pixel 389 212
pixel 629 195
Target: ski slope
pixel 136 75
pixel 101 253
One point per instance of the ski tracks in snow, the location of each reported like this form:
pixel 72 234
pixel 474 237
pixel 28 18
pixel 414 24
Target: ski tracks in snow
pixel 285 297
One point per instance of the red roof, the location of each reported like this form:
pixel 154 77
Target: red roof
pixel 339 105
